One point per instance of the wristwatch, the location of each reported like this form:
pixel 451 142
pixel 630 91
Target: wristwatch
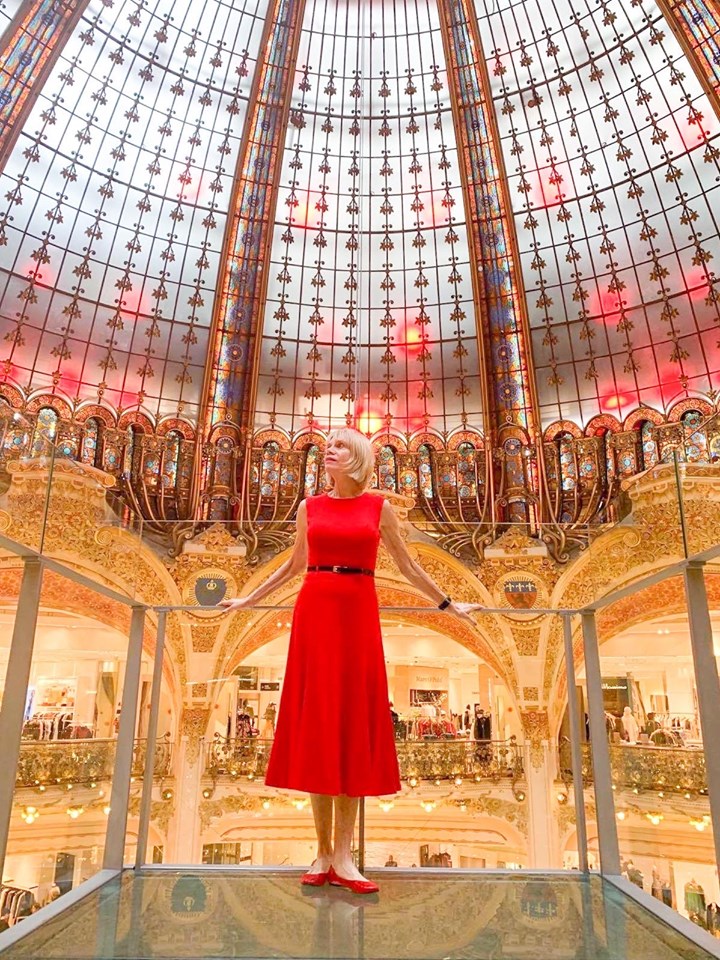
pixel 444 604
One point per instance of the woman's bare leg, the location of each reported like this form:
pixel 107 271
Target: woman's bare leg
pixel 322 807
pixel 346 809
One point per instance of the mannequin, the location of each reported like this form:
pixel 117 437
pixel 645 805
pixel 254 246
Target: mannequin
pixel 630 725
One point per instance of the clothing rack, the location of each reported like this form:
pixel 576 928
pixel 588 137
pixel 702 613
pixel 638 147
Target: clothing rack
pixel 16 902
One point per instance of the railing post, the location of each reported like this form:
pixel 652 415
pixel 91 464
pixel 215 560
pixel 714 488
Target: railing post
pixel 600 752
pixel 15 695
pixel 707 685
pixel 575 745
pixel 148 774
pixel 120 794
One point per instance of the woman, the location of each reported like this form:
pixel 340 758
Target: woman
pixel 334 734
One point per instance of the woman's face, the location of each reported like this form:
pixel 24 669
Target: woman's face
pixel 337 456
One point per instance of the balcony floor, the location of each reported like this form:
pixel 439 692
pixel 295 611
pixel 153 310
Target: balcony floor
pixel 221 913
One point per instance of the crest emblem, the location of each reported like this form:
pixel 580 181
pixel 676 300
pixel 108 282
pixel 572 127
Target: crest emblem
pixel 209 591
pixel 207 588
pixel 521 593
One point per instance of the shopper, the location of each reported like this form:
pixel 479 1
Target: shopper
pixel 334 733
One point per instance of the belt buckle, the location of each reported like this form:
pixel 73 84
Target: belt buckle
pixel 337 569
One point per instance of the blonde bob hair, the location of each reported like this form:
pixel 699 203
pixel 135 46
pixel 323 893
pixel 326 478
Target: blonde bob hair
pixel 362 460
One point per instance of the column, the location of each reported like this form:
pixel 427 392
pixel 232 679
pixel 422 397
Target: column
pixel 184 836
pixel 120 794
pixel 16 683
pixel 708 686
pixel 604 801
pixel 543 840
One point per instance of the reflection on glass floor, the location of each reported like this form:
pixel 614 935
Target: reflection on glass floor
pixel 463 917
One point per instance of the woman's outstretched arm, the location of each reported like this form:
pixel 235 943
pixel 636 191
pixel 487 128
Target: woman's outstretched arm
pixel 292 567
pixel 412 571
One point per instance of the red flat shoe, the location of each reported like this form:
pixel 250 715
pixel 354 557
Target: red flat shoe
pixel 357 886
pixel 314 879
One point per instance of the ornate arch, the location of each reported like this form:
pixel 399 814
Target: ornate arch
pixel 602 422
pixel 274 435
pixel 96 411
pixel 61 593
pixel 634 420
pixel 134 418
pixel 308 438
pixel 14 395
pixel 491 642
pixel 559 427
pixel 176 425
pixel 39 401
pixel 466 436
pixel 429 437
pixel 691 403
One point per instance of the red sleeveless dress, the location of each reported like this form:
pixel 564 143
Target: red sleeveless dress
pixel 334 731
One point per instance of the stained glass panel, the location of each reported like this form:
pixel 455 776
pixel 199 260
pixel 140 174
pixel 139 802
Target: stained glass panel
pixel 649 446
pixel 612 151
pixel 370 294
pixel 696 447
pixel 90 441
pixel 45 432
pixel 568 470
pixel 387 469
pixel 115 200
pixel 425 479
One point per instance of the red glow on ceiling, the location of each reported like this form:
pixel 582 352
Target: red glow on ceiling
pixel 305 213
pixel 697 283
pixel 616 401
pixel 367 419
pixel 546 191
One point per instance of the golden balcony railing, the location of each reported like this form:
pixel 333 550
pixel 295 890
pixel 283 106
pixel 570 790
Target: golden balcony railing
pixel 46 763
pixel 677 770
pixel 419 760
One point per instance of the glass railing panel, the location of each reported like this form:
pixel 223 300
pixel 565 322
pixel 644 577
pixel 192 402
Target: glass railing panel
pixel 659 778
pixel 66 770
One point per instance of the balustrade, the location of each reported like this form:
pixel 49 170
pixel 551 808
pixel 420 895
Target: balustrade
pixel 419 760
pixel 45 763
pixel 645 767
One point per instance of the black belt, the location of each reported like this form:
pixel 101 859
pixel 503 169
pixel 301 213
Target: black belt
pixel 360 570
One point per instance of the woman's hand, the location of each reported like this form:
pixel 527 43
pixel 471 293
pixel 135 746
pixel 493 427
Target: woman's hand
pixel 463 610
pixel 237 603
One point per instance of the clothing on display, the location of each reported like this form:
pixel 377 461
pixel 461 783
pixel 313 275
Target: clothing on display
pixel 482 727
pixel 49 725
pixel 335 680
pixel 695 902
pixel 15 903
pixel 244 726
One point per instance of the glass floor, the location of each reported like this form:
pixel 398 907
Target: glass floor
pixel 197 915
